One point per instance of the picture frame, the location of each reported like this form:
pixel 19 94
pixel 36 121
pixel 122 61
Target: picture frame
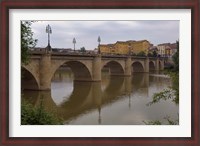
pixel 7 5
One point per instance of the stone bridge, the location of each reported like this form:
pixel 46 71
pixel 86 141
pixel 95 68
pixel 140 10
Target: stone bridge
pixel 37 74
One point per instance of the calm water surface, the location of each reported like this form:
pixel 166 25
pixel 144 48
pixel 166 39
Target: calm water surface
pixel 113 101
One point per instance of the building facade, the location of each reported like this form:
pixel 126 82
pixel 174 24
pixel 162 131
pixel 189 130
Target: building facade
pixel 126 47
pixel 167 49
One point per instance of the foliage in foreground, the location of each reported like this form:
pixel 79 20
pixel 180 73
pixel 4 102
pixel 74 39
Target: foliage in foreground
pixel 27 40
pixel 37 115
pixel 157 122
pixel 169 93
pixel 173 91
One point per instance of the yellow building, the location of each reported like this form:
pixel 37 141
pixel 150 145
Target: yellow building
pixel 121 47
pixel 104 49
pixel 140 46
pixel 126 47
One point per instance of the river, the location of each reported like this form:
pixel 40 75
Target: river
pixel 116 100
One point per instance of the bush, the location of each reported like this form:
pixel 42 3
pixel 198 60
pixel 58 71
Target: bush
pixel 37 115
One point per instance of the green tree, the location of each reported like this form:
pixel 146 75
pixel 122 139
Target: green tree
pixel 175 73
pixel 27 40
pixel 175 58
pixel 155 54
pixel 142 54
pixel 82 49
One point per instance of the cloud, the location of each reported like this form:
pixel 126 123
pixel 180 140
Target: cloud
pixel 87 32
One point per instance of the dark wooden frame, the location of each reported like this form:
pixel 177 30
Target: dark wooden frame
pixel 102 4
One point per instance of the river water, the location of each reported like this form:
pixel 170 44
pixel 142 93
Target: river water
pixel 116 100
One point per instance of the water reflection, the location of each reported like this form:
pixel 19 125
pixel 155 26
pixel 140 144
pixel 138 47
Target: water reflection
pixel 114 100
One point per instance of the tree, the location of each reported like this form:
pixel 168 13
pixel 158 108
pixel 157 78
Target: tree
pixel 141 53
pixel 175 58
pixel 155 54
pixel 27 40
pixel 82 49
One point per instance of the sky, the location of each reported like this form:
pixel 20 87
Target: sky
pixel 86 32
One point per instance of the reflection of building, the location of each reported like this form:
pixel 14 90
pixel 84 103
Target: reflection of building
pixel 126 47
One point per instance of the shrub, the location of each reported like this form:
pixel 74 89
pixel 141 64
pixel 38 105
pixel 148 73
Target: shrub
pixel 37 115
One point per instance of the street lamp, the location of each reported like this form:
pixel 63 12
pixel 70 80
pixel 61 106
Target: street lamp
pixel 74 42
pixel 99 40
pixel 48 31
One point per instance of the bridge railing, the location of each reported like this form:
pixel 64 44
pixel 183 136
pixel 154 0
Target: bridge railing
pixel 78 53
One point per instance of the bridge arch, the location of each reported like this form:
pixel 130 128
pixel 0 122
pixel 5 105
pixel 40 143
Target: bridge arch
pixel 29 79
pixel 152 65
pixel 116 67
pixel 81 70
pixel 137 66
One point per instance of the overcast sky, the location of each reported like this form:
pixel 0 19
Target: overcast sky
pixel 86 32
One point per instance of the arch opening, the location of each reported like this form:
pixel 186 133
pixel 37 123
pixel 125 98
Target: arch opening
pixel 137 67
pixel 28 81
pixel 151 66
pixel 62 85
pixel 79 70
pixel 64 80
pixel 114 68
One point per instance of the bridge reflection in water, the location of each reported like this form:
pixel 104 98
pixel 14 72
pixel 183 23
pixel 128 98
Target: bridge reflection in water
pixel 114 100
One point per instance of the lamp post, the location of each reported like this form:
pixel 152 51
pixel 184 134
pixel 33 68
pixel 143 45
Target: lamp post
pixel 99 40
pixel 74 42
pixel 48 31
